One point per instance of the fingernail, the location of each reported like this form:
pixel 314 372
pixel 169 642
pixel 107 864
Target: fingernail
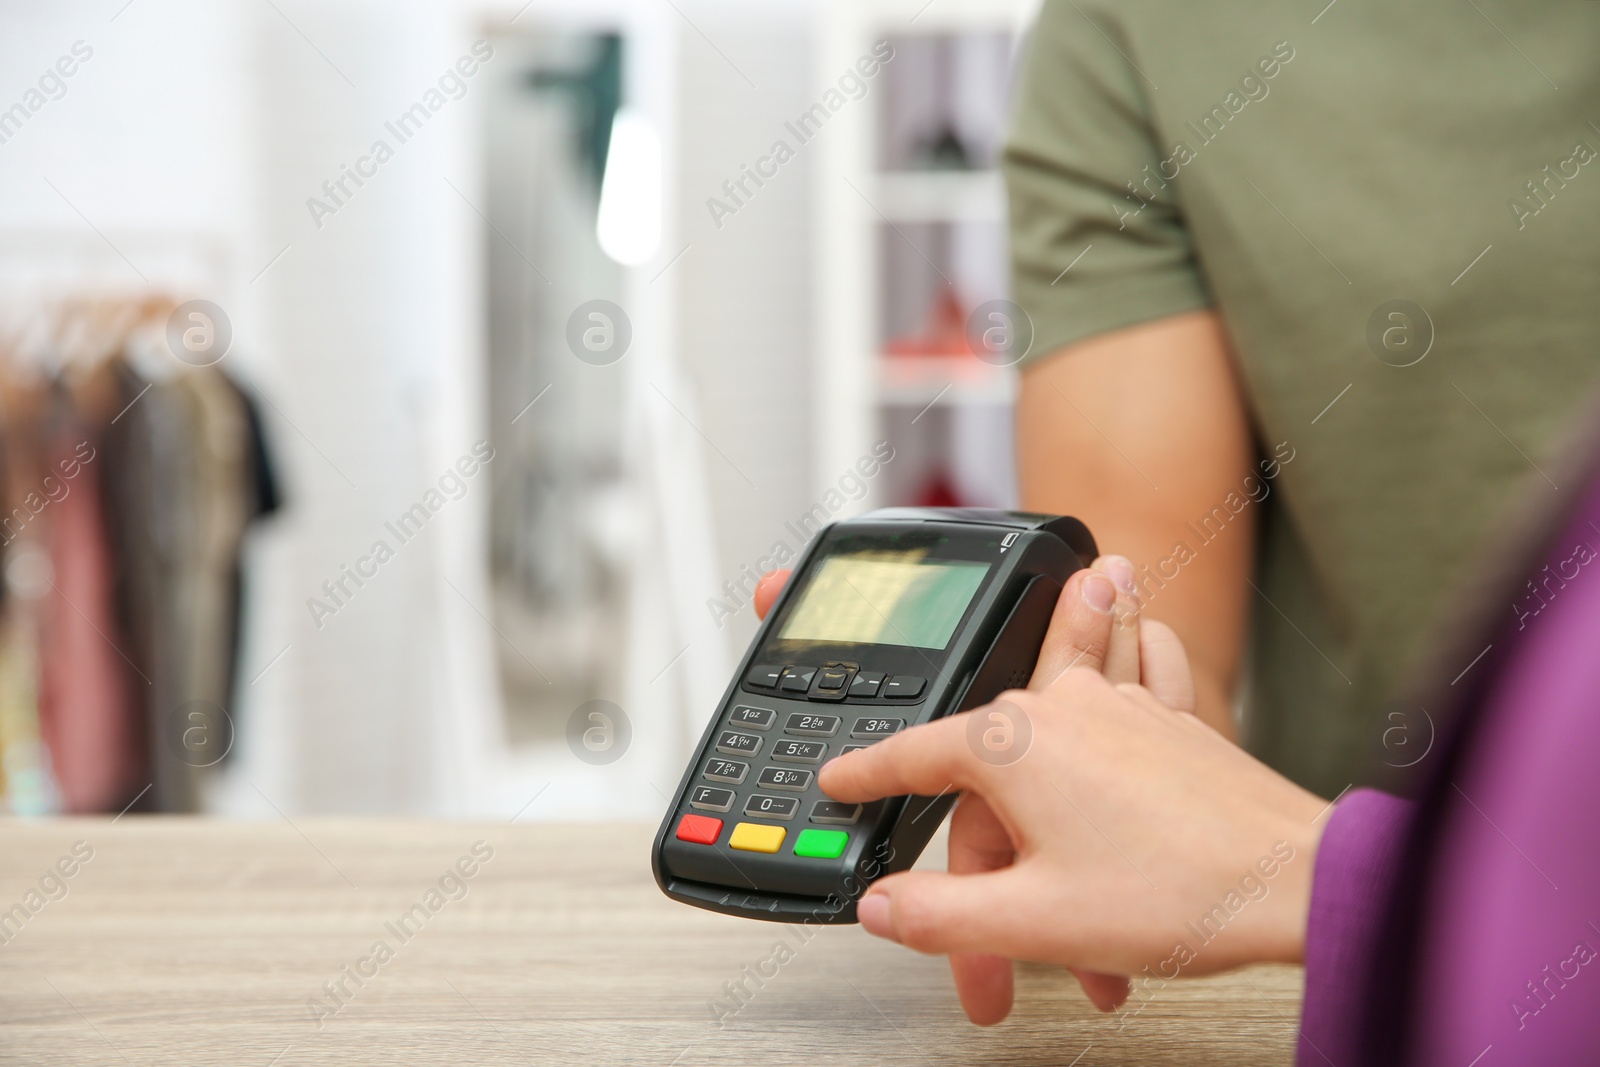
pixel 1121 572
pixel 873 911
pixel 1099 593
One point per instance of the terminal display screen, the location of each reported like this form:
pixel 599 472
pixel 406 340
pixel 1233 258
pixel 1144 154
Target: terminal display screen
pixel 885 598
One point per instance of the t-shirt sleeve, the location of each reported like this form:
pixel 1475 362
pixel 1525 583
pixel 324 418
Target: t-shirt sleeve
pixel 1089 253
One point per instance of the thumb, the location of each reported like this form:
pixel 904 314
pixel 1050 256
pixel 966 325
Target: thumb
pixel 1080 628
pixel 939 913
pixel 767 590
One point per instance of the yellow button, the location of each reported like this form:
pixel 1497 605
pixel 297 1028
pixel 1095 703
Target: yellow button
pixel 753 837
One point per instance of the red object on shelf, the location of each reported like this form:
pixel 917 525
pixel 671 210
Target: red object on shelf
pixel 945 335
pixel 939 492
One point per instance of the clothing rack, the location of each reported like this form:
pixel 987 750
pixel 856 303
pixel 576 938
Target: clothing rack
pixel 128 478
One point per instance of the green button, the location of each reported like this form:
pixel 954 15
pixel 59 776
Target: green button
pixel 821 844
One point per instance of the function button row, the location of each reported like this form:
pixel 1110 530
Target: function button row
pixel 726 770
pixel 765 807
pixel 733 743
pixel 799 751
pixel 710 798
pixel 785 778
pixel 805 723
pixel 835 682
pixel 752 718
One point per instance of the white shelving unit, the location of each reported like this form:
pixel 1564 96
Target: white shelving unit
pixel 940 196
pixel 862 393
pixel 919 381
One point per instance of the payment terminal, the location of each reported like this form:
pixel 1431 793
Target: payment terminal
pixel 896 618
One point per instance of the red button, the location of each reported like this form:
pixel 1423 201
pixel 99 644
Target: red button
pixel 700 829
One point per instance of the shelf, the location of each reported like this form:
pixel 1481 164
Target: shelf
pixel 864 293
pixel 947 16
pixel 924 380
pixel 941 196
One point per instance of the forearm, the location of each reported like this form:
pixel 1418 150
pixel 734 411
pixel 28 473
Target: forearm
pixel 1142 434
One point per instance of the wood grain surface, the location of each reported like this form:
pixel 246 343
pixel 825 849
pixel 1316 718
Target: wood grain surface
pixel 198 942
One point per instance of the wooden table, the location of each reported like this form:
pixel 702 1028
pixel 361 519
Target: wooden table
pixel 194 942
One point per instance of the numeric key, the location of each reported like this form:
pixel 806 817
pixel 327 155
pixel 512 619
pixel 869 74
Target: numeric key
pixel 752 718
pixel 765 807
pixel 873 729
pixel 733 743
pixel 799 751
pixel 785 778
pixel 726 770
pixel 809 725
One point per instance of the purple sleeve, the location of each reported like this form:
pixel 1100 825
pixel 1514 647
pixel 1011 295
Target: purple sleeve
pixel 1356 860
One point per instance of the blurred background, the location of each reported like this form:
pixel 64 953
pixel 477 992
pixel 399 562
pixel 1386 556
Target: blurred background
pixel 399 400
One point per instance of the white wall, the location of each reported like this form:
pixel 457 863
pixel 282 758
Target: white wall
pixel 209 124
pixel 746 323
pixel 374 326
pixel 148 132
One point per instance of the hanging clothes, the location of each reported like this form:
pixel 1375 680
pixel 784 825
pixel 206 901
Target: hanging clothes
pixel 184 463
pixel 266 500
pixel 88 719
pixel 129 483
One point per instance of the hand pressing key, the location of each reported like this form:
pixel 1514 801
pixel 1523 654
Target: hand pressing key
pixel 1125 819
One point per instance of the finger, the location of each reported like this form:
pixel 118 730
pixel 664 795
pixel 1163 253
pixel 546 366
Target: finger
pixel 1080 628
pixel 1164 666
pixel 986 985
pixel 1107 992
pixel 1122 655
pixel 978 843
pixel 926 760
pixel 767 590
pixel 941 914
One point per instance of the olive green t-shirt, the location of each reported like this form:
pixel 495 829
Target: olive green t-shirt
pixel 1394 207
